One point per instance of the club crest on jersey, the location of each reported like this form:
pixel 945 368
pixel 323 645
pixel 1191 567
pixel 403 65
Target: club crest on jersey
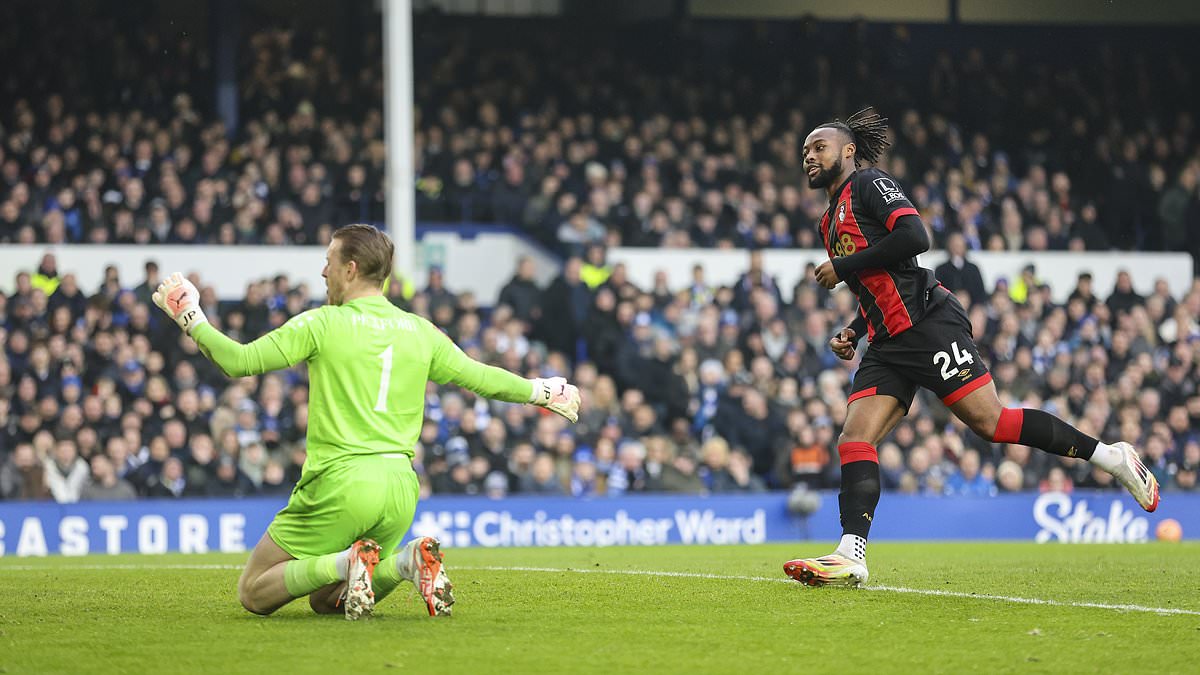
pixel 841 214
pixel 888 190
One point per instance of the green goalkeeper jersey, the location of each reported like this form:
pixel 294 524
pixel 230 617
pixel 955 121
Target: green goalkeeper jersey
pixel 368 364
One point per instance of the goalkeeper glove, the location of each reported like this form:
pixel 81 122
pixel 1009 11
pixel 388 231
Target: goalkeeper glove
pixel 179 298
pixel 557 395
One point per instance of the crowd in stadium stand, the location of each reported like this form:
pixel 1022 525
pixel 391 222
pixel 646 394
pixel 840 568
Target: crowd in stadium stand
pixel 619 140
pixel 688 387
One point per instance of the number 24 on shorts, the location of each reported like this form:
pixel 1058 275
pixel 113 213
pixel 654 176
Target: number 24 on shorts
pixel 943 359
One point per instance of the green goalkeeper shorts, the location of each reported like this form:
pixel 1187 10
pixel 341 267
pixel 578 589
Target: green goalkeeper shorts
pixel 362 496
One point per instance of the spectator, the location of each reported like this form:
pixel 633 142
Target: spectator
pixel 467 198
pixel 200 467
pixel 104 484
pixel 495 485
pixel 584 477
pixel 229 481
pixel 522 293
pixel 564 308
pixel 755 278
pixel 439 297
pixel 68 295
pixel 275 482
pixel 542 480
pixel 511 194
pixel 958 273
pixel 970 479
pixel 579 231
pixel 1009 477
pixel 46 278
pixel 628 474
pixel 22 477
pixel 66 472
pixel 595 270
pixel 170 482
pixel 1185 478
pixel 806 460
pixel 714 467
pixel 1083 292
pixel 1024 285
pixel 662 383
pixel 1179 209
pixel 742 476
pixel 1056 481
pixel 751 428
pixel 1123 297
pixel 144 290
pixel 667 471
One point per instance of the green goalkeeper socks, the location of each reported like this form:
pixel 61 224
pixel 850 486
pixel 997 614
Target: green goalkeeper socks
pixel 387 577
pixel 305 576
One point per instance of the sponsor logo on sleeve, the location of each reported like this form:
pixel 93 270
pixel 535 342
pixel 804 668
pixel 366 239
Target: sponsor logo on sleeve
pixel 888 190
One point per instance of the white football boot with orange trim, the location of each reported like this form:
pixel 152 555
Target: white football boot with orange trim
pixel 428 574
pixel 359 598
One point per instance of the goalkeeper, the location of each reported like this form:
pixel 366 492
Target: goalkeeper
pixel 368 365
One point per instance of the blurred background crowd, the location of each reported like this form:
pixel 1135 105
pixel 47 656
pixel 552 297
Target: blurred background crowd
pixel 676 139
pixel 691 388
pixel 635 135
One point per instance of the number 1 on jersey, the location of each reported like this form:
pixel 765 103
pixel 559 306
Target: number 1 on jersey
pixel 385 381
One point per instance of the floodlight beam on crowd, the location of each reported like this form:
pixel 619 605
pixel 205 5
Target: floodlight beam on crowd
pixel 398 131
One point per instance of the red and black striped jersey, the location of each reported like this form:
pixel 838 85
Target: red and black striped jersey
pixel 864 210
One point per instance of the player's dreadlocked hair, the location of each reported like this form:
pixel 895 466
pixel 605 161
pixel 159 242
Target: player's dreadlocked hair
pixel 868 130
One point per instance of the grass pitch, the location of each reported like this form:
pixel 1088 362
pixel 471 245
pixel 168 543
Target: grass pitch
pixel 705 610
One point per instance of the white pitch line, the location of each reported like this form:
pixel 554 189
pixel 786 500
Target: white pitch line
pixel 652 573
pixel 886 589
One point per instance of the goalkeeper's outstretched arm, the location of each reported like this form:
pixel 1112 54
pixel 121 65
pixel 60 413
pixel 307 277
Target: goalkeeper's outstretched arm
pixel 450 364
pixel 236 359
pixel 179 298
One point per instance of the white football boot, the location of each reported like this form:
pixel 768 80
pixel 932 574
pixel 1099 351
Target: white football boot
pixel 1136 478
pixel 834 569
pixel 422 564
pixel 359 598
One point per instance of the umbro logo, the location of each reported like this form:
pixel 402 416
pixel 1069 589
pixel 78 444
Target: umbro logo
pixel 964 374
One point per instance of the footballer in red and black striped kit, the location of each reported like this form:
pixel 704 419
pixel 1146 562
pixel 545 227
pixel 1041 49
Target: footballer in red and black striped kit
pixel 909 317
pixel 918 335
pixel 866 209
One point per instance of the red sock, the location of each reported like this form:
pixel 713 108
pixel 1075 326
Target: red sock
pixel 857 452
pixel 1008 428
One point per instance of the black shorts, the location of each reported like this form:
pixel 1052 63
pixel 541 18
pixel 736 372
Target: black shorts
pixel 937 353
